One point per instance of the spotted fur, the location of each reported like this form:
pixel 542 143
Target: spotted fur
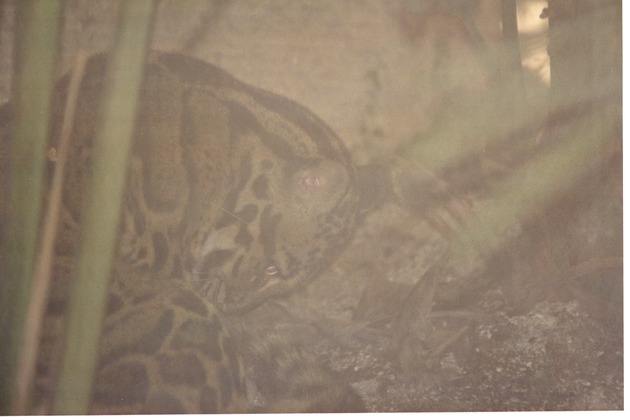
pixel 234 196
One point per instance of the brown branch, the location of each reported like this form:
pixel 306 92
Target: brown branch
pixel 43 266
pixel 593 265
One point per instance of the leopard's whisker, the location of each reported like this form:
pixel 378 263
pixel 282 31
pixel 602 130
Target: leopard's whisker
pixel 226 211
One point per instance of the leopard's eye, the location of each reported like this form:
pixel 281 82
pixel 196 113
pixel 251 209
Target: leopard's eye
pixel 272 270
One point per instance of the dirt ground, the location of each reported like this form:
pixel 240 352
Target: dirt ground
pixel 516 339
pixel 412 332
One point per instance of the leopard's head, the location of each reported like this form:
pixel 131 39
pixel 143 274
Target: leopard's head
pixel 269 190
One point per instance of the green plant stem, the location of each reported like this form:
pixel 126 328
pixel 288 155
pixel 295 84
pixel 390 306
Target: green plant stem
pixel 102 213
pixel 36 52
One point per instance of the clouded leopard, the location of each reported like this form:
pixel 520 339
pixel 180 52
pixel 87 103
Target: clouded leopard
pixel 234 195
